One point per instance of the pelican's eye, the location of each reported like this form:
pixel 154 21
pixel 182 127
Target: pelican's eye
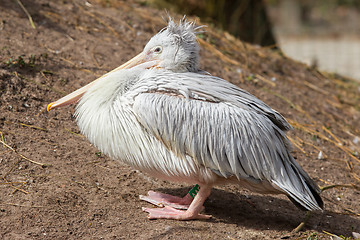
pixel 158 49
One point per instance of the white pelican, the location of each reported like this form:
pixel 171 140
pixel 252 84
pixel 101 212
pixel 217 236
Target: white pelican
pixel 163 116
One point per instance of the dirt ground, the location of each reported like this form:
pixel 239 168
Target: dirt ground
pixel 55 185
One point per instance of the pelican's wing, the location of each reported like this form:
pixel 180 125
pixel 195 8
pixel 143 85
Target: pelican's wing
pixel 213 89
pixel 223 128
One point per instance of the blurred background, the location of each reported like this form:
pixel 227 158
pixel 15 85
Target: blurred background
pixel 322 33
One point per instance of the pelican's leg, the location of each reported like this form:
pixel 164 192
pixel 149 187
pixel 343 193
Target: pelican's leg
pixel 162 199
pixel 193 212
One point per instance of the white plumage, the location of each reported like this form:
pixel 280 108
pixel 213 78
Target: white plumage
pixel 160 114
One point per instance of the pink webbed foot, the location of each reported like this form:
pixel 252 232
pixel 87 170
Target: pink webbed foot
pixel 172 213
pixel 162 199
pixel 168 212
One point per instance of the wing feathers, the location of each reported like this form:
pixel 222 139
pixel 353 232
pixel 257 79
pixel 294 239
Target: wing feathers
pixel 222 137
pixel 226 129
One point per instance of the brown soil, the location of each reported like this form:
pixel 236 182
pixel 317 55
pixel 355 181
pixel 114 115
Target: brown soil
pixel 81 194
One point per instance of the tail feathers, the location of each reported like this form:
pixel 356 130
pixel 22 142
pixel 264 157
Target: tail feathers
pixel 305 198
pixel 295 182
pixel 300 188
pixel 317 197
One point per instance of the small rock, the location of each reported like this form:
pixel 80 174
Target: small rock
pixel 320 155
pixel 336 237
pixel 168 228
pixel 88 4
pixel 356 235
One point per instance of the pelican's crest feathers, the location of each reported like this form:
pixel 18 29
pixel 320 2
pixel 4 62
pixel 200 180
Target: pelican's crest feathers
pixel 185 31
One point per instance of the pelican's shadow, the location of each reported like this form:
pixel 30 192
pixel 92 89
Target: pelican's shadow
pixel 264 212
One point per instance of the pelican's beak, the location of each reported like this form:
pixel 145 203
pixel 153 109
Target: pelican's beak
pixel 76 95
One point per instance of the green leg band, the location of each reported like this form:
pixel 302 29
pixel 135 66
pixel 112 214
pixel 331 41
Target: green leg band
pixel 194 191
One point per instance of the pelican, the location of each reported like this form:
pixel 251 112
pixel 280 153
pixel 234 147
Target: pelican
pixel 160 114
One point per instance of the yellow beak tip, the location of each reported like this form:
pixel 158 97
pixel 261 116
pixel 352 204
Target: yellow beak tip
pixel 48 108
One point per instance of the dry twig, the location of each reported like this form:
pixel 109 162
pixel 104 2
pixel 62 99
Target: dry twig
pixel 20 205
pixel 16 188
pixel 27 14
pixel 22 156
pixel 296 144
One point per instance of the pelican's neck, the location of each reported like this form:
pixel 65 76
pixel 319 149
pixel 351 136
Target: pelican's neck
pixel 105 91
pixel 96 115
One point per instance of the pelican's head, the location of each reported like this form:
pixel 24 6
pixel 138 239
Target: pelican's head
pixel 174 48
